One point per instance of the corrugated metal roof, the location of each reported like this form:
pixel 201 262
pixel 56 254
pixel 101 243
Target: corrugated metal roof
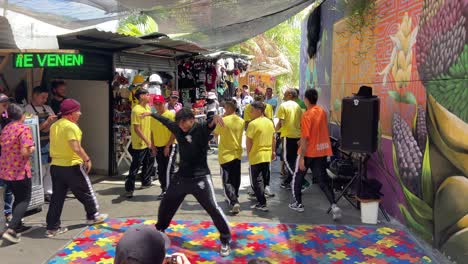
pixel 114 42
pixel 7 41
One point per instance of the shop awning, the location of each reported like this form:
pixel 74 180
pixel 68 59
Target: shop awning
pixel 209 23
pixel 94 39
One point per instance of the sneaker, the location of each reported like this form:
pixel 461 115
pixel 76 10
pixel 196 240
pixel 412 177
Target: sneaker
pixel 297 207
pixel 97 220
pixel 235 209
pixel 260 207
pixel 47 198
pixel 129 194
pixel 22 229
pixel 53 233
pixel 11 236
pixel 305 186
pixel 285 186
pixel 225 250
pixel 268 192
pixel 251 193
pixel 161 196
pixel 336 212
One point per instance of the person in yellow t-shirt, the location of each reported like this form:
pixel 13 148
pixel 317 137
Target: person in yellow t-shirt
pixel 69 169
pixel 141 144
pixel 248 109
pixel 289 115
pixel 230 153
pixel 260 143
pixel 163 140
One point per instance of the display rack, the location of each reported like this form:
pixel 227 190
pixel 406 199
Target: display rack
pixel 37 194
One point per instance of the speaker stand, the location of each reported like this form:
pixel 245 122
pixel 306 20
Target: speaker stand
pixel 360 176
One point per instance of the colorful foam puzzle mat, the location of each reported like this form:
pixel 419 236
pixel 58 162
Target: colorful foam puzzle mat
pixel 275 242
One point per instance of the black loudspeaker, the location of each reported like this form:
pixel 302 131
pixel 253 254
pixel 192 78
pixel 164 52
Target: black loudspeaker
pixel 359 123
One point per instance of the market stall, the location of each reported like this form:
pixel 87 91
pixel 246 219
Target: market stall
pixel 20 71
pixel 116 66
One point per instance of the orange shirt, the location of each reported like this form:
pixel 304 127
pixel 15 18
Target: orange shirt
pixel 314 125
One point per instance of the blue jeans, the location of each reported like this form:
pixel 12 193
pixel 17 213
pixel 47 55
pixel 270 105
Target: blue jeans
pixel 8 199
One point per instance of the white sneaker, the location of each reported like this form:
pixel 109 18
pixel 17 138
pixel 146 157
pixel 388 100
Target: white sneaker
pixel 235 209
pixel 297 207
pixel 98 219
pixel 225 250
pixel 336 212
pixel 268 192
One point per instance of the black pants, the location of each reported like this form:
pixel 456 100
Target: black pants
pixel 139 157
pixel 259 174
pixel 22 192
pixel 318 167
pixel 165 165
pixel 290 148
pixel 76 179
pixel 202 189
pixel 231 173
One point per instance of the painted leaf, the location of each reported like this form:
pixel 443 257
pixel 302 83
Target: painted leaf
pixel 421 210
pixel 395 95
pixel 337 105
pixel 426 177
pixel 409 98
pixel 424 231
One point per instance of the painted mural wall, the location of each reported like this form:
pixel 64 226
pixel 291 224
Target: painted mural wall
pixel 415 56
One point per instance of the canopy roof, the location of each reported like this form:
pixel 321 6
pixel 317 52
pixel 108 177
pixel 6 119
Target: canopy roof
pixel 113 42
pixel 209 23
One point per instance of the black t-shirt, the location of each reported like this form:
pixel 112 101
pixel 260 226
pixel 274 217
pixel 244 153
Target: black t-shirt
pixel 55 105
pixel 193 147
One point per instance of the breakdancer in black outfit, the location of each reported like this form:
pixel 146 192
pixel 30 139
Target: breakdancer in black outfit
pixel 194 176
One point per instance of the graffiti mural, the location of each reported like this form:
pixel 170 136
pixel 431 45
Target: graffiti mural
pixel 417 63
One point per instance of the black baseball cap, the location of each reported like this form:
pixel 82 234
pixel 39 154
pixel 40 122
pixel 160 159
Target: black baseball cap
pixel 143 245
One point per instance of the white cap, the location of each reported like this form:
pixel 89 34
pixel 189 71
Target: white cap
pixel 212 95
pixel 155 78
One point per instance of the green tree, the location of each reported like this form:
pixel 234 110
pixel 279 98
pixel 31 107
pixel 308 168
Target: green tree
pixel 137 25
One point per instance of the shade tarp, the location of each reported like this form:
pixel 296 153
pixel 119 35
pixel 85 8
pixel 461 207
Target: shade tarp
pixel 209 23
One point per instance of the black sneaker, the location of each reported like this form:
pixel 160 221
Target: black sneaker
pixel 129 194
pixel 47 198
pixel 22 229
pixel 11 236
pixel 260 207
pixel 225 250
pixel 147 186
pixel 56 232
pixel 161 196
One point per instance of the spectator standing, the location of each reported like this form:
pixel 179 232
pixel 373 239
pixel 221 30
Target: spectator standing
pixel 314 148
pixel 289 115
pixel 141 145
pixel 260 141
pixel 268 112
pixel 246 98
pixel 230 153
pixel 69 169
pixel 7 194
pixel 270 99
pixel 164 144
pixel 15 168
pixel 46 118
pixel 238 98
pixel 59 91
pixel 174 104
pixel 299 100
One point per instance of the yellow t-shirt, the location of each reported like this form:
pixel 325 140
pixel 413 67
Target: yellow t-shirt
pixel 230 142
pixel 268 112
pixel 261 131
pixel 145 125
pixel 61 133
pixel 161 134
pixel 290 112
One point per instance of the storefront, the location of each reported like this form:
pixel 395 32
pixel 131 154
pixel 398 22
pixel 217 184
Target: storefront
pixel 104 85
pixel 20 71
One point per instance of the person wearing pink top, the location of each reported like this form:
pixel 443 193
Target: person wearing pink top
pixel 15 168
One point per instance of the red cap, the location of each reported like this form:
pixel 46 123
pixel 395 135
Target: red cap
pixel 158 99
pixel 69 106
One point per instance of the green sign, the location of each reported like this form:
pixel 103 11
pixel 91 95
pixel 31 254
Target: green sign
pixel 47 60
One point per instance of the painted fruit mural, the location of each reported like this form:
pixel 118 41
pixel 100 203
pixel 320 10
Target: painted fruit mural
pixel 420 58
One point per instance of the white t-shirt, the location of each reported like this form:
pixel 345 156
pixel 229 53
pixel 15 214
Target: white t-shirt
pixel 247 100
